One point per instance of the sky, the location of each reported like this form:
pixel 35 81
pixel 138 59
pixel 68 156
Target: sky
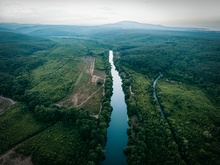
pixel 192 13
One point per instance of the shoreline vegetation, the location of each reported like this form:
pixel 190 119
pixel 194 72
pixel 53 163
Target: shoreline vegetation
pixel 190 132
pixel 35 126
pixel 50 75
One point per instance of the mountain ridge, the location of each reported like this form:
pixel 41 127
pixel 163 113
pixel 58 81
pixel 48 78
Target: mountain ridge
pixel 125 24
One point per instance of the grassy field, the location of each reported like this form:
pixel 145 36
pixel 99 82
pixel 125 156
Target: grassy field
pixel 87 90
pixel 67 79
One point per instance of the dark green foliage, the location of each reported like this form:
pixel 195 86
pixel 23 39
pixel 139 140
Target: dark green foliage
pixel 79 139
pixel 39 72
pixel 16 61
pixel 47 115
pixel 21 45
pixel 35 98
pixel 16 125
pixel 186 57
pixel 183 136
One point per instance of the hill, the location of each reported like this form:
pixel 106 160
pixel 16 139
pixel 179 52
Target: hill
pixel 60 78
pixel 73 30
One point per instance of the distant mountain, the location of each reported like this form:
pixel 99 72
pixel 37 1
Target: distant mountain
pixel 73 30
pixel 134 25
pixel 137 25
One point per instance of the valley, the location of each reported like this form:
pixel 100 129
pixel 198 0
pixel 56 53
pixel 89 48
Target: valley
pixel 56 89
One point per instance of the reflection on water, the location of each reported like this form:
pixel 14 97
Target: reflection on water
pixel 116 133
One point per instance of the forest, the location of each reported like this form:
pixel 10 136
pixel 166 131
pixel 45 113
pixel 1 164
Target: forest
pixel 39 73
pixel 59 79
pixel 188 93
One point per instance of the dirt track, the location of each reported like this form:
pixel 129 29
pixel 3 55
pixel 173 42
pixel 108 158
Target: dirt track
pixel 12 158
pixel 5 103
pixel 84 91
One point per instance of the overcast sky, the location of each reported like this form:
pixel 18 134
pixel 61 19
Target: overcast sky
pixel 202 13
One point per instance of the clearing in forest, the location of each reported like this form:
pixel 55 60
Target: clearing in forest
pixel 87 90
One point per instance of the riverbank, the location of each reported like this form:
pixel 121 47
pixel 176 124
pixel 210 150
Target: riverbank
pixel 117 131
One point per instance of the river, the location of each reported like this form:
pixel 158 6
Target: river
pixel 117 131
pixel 155 95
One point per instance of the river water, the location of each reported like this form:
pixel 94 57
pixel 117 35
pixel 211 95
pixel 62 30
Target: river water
pixel 116 133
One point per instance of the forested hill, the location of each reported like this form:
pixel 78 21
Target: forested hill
pixel 21 44
pixel 16 52
pixel 188 93
pixel 185 56
pixel 17 37
pixel 73 30
pixel 43 77
pixel 59 77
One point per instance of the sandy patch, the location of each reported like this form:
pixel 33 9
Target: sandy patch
pixel 5 103
pixel 94 78
pixel 13 158
pixel 75 100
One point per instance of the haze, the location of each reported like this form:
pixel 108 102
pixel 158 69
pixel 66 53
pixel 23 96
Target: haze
pixel 194 13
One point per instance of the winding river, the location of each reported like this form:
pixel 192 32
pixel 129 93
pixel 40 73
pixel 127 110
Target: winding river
pixel 116 133
pixel 155 95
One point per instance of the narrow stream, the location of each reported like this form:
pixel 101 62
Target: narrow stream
pixel 155 95
pixel 116 133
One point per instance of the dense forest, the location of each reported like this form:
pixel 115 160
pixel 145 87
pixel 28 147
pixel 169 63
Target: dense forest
pixel 59 78
pixel 188 94
pixel 37 73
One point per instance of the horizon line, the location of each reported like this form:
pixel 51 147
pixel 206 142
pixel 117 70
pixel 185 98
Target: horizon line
pixel 207 28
